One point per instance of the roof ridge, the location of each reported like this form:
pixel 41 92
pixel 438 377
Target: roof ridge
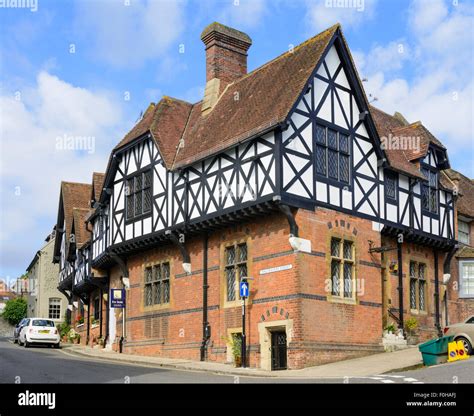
pixel 284 54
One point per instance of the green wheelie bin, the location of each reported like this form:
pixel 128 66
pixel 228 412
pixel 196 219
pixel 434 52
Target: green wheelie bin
pixel 435 351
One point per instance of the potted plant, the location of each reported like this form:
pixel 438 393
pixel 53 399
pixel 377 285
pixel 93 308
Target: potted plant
pixel 79 320
pixel 235 344
pixel 391 328
pixel 411 324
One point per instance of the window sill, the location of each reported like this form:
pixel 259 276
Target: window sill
pixel 94 326
pixel 338 299
pixel 158 306
pixel 418 312
pixel 79 325
pixel 236 303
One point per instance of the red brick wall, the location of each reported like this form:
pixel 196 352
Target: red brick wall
pixel 421 254
pixel 322 330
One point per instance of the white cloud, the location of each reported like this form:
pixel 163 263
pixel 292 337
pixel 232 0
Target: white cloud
pixel 32 166
pixel 322 14
pixel 128 35
pixel 440 89
pixel 243 13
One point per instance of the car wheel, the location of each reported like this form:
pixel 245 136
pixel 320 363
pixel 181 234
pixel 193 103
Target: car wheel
pixel 19 342
pixel 58 345
pixel 467 345
pixel 27 344
pixel 15 340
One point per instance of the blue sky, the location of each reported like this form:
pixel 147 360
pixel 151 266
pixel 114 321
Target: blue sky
pixel 88 68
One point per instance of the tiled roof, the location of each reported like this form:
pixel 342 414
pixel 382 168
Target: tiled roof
pixel 256 102
pixel 166 122
pixel 79 218
pixel 75 195
pixel 387 125
pixel 465 202
pixel 465 252
pixel 97 184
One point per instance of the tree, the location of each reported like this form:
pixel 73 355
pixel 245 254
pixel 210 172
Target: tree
pixel 15 310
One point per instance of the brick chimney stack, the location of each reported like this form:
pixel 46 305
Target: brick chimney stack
pixel 226 60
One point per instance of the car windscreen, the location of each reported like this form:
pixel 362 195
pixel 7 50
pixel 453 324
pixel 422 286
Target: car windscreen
pixel 42 322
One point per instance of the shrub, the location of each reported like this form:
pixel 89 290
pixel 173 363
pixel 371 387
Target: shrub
pixel 15 310
pixel 411 324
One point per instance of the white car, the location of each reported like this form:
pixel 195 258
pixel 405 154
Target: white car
pixel 39 331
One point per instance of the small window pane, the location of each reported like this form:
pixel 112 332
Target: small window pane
pixel 413 293
pixel 156 293
pixel 148 295
pixel 433 180
pixel 138 183
pixel 148 275
pixel 425 197
pixel 412 269
pixel 130 207
pixel 335 247
pixel 332 164
pixel 321 160
pixel 332 139
pixel 422 294
pixel 147 178
pixel 347 250
pixel 335 277
pixel 147 200
pixel 344 168
pixel 347 280
pixel 321 135
pixel 230 280
pixel 433 200
pixel 421 271
pixel 344 143
pixel 230 255
pixel 390 185
pixel 242 252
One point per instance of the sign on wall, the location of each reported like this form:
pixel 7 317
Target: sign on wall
pixel 117 298
pixel 276 269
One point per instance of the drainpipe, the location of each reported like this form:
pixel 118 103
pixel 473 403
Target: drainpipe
pixel 400 286
pixel 447 275
pixel 107 312
pixel 88 319
pixel 101 300
pixel 436 294
pixel 206 330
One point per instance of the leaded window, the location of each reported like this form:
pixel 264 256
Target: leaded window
pixel 417 286
pixel 235 268
pixel 157 284
pixel 332 154
pixel 139 194
pixel 429 190
pixel 342 268
pixel 390 184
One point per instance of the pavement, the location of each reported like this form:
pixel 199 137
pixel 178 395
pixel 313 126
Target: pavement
pixel 77 364
pixel 357 367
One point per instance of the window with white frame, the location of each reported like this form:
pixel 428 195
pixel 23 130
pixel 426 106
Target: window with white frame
pixel 342 268
pixel 466 278
pixel 54 308
pixel 463 232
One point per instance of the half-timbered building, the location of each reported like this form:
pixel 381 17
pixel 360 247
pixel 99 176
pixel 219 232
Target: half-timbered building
pixel 286 176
